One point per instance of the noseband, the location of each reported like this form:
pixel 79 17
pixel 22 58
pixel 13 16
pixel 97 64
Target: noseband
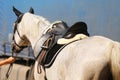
pixel 16 29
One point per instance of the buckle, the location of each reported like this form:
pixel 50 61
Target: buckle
pixel 44 47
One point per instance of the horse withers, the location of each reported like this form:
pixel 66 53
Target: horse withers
pixel 92 58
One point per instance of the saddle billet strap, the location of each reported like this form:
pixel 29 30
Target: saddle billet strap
pixel 45 48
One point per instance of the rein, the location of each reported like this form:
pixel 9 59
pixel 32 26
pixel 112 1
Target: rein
pixel 15 29
pixel 9 70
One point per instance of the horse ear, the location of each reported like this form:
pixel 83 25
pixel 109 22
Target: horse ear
pixel 31 10
pixel 17 12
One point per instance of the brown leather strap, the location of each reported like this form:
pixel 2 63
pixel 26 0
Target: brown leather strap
pixel 42 54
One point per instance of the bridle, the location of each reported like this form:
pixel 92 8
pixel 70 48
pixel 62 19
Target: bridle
pixel 16 30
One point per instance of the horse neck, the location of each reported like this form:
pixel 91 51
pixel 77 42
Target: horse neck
pixel 35 28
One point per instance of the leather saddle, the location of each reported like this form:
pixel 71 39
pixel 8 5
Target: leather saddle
pixel 60 31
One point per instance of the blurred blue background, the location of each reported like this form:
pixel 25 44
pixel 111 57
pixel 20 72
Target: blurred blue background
pixel 101 16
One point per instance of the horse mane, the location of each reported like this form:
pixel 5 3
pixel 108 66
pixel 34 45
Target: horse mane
pixel 115 61
pixel 36 18
pixel 35 22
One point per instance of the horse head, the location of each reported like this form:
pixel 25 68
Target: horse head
pixel 20 41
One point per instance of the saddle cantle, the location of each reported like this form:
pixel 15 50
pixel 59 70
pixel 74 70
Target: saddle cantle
pixel 77 28
pixel 75 32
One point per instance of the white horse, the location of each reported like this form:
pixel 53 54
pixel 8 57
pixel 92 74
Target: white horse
pixel 93 58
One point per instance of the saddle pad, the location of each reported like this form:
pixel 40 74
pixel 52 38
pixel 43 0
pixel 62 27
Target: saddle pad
pixel 51 55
